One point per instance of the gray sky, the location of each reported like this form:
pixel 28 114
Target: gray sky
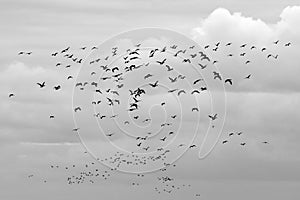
pixel 264 108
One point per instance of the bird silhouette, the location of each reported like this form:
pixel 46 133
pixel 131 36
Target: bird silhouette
pixel 161 62
pixel 213 117
pixel 154 84
pixel 43 84
pixel 195 109
pixel 181 92
pixel 77 109
pixel 228 80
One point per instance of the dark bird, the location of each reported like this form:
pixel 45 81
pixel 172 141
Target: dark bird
pixel 77 109
pixel 57 87
pixel 43 84
pixel 265 143
pixel 217 75
pixel 192 146
pixel 198 80
pixel 229 43
pixel 173 80
pixel 110 134
pixel 276 42
pixel 172 90
pixel 169 68
pixel 248 77
pixel 263 49
pixel 287 44
pixel 161 62
pixel 180 92
pixel 202 66
pixel 69 77
pixel 195 91
pixel 51 116
pixel 205 47
pixel 147 76
pixel 248 61
pixel 213 117
pixel 114 69
pixel 225 141
pixel 243 144
pixel 229 80
pixel 195 109
pixel 203 88
pixel 163 139
pixel 239 133
pixel 154 84
pixel 243 45
pixel 231 134
pixel 173 116
pixel 186 60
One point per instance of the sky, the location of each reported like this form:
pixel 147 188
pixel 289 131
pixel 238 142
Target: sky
pixel 264 107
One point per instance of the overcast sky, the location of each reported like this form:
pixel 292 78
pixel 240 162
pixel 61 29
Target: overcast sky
pixel 264 108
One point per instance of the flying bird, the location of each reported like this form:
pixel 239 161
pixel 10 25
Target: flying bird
pixel 229 80
pixel 213 117
pixel 154 84
pixel 43 84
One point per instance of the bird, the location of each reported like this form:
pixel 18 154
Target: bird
pixel 163 139
pixel 217 75
pixel 203 88
pixel 69 77
pixel 229 80
pixel 265 142
pixel 154 84
pixel 224 141
pixel 173 80
pixel 173 116
pixel 239 133
pixel 198 80
pixel 231 134
pixel 248 61
pixel 195 91
pixel 11 95
pixel 202 66
pixel 57 87
pixel 243 144
pixel 161 62
pixel 169 68
pixel 195 109
pixel 287 44
pixel 148 76
pixel 181 92
pixel 229 43
pixel 186 60
pixel 51 116
pixel 248 76
pixel 213 117
pixel 110 134
pixel 276 42
pixel 77 109
pixel 43 84
pixel 243 45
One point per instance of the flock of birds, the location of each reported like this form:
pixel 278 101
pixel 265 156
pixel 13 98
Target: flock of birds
pixel 116 75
